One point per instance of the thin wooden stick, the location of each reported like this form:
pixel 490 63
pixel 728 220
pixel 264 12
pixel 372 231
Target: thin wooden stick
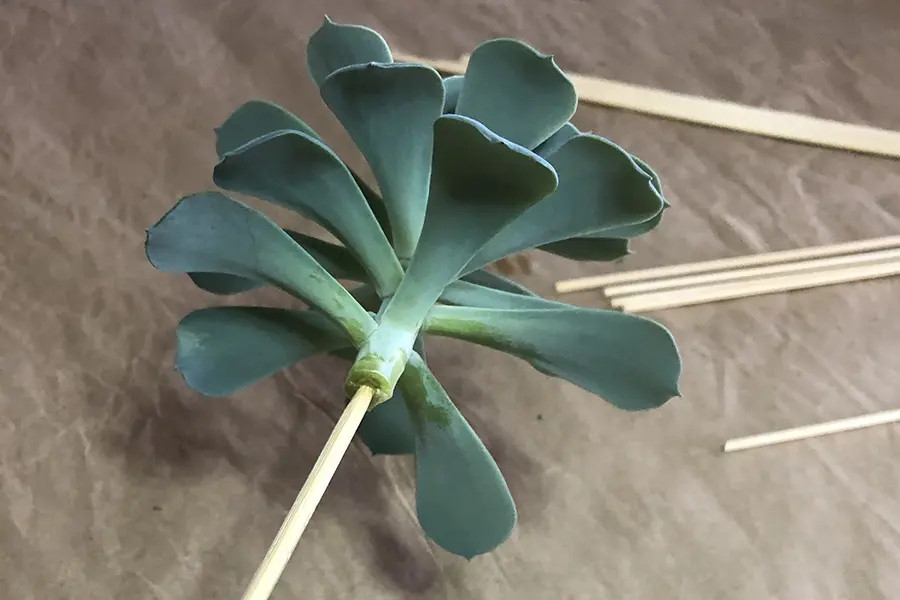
pixel 737 262
pixel 733 116
pixel 729 291
pixel 810 431
pixel 276 559
pixel 642 287
pixel 766 122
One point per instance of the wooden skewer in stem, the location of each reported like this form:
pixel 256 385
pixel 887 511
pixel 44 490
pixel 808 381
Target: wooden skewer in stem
pixel 766 122
pixel 810 431
pixel 642 287
pixel 729 291
pixel 282 548
pixel 720 264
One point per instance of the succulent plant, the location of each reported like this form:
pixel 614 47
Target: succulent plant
pixel 469 169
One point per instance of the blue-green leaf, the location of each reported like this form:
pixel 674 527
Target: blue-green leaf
pixel 452 88
pixel 387 429
pixel 600 189
pixel 295 170
pixel 224 284
pixel 223 349
pixel 568 131
pixel 389 110
pixel 589 248
pixel 211 233
pixel 337 260
pixel 257 118
pixel 516 92
pixel 654 177
pixel 464 293
pixel 555 141
pixel 334 46
pixel 462 500
pixel 629 361
pixel 376 204
pixel 341 264
pixel 479 184
pixel 611 244
pixel 498 282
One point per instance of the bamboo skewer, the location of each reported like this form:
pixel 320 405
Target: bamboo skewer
pixel 729 291
pixel 766 258
pixel 642 287
pixel 810 431
pixel 288 536
pixel 714 113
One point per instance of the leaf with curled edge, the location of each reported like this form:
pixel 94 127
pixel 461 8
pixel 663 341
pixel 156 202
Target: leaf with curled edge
pixel 341 264
pixel 211 233
pixel 337 260
pixel 516 92
pixel 336 45
pixel 257 118
pixel 480 183
pixel 607 245
pixel 555 141
pixel 224 349
pixel 389 111
pixel 452 88
pixel 295 170
pixel 601 189
pixel 629 361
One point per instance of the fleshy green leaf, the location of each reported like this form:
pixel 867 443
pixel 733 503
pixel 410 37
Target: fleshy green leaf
pixel 598 246
pixel 555 141
pixel 464 293
pixel 452 88
pixel 224 349
pixel 211 233
pixel 294 170
pixel 498 282
pixel 224 284
pixel 334 46
pixel 376 204
pixel 337 260
pixel 255 119
pixel 341 264
pixel 462 500
pixel 479 184
pixel 367 297
pixel 654 177
pixel 600 189
pixel 610 244
pixel 568 131
pixel 387 429
pixel 516 92
pixel 589 248
pixel 629 361
pixel 389 110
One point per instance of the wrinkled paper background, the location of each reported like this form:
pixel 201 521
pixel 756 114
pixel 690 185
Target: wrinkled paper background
pixel 117 481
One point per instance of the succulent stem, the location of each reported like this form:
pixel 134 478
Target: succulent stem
pixel 380 361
